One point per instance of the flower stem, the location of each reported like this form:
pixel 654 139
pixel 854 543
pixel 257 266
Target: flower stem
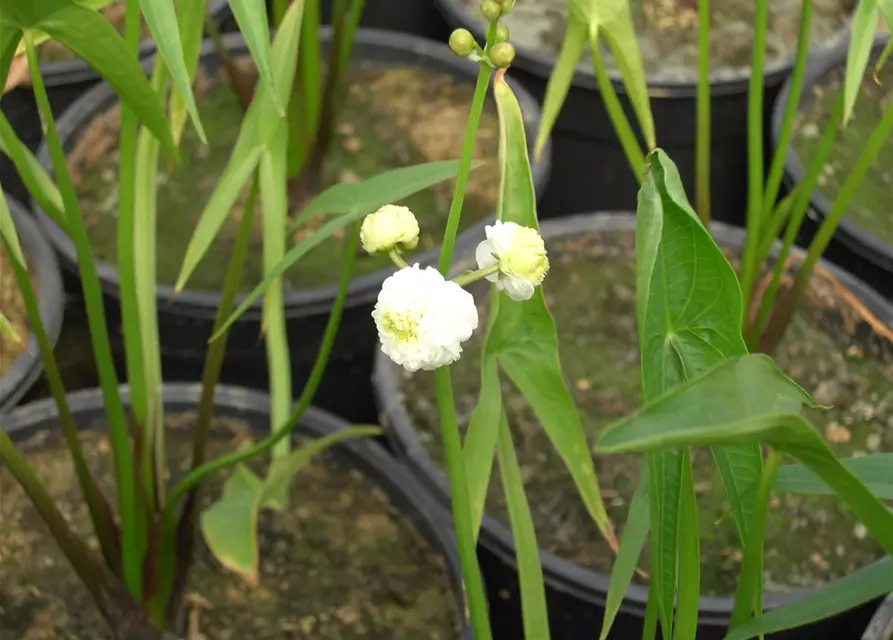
pixel 397 259
pixel 468 277
pixel 702 149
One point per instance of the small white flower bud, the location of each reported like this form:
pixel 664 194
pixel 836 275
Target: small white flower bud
pixel 520 254
pixel 389 228
pixel 423 319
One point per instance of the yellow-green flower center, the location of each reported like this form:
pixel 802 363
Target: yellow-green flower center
pixel 403 326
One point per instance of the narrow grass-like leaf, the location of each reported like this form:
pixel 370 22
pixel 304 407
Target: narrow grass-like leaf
pixel 251 16
pixel 686 626
pixel 631 544
pixel 161 17
pixel 481 438
pixel 10 37
pixel 842 595
pixel 575 39
pixel 33 175
pixel 9 234
pixel 524 333
pixel 191 20
pixel 875 471
pixel 8 330
pixel 94 39
pixel 530 571
pixel 865 19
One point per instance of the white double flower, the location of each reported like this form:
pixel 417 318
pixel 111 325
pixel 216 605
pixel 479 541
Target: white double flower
pixel 519 256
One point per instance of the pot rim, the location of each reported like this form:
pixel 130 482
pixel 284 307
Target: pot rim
pixel 561 574
pixel 298 302
pixel 855 237
pixel 882 623
pixel 77 71
pixel 50 299
pixel 429 518
pixel 541 64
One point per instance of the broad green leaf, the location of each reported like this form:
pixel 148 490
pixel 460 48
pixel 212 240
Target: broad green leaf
pixel 875 471
pixel 524 333
pixel 352 201
pixel 864 26
pixel 95 40
pixel 8 232
pixel 841 595
pixel 259 127
pixel 251 16
pixel 482 435
pixel 161 18
pixel 748 399
pixel 33 175
pixel 631 544
pixel 230 524
pixel 686 627
pixel 191 20
pixel 8 330
pixel 530 572
pixel 575 40
pixel 689 319
pixel 273 194
pixel 39 37
pixel 377 191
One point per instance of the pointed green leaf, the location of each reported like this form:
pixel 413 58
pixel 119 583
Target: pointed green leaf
pixel 631 544
pixel 875 471
pixel 161 18
pixel 530 572
pixel 33 175
pixel 575 40
pixel 840 596
pixel 524 333
pixel 95 40
pixel 8 330
pixel 10 37
pixel 887 14
pixel 191 20
pixel 230 524
pixel 8 232
pixel 861 40
pixel 481 438
pixel 251 16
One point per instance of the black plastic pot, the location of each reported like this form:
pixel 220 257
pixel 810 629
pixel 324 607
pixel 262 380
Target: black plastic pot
pixel 186 319
pixel 576 595
pixel 253 409
pixel 415 17
pixel 852 247
pixel 65 81
pixel 591 170
pixel 45 270
pixel 881 625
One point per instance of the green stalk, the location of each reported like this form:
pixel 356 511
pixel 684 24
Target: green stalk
pixel 622 126
pixel 279 8
pixel 176 551
pixel 303 114
pixel 355 14
pixel 100 510
pixel 798 212
pixel 99 335
pixel 322 359
pixel 845 195
pixel 776 171
pixel 702 150
pixel 754 154
pixel 473 585
pixel 749 595
pixel 76 552
pixel 474 119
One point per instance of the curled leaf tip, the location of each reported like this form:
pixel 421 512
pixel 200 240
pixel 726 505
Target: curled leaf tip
pixel 500 76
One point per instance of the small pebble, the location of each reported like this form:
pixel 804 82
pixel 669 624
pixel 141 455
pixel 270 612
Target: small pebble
pixel 837 434
pixel 859 531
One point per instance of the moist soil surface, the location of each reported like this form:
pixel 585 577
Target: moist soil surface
pixel 339 562
pixel 873 201
pixel 393 117
pixel 591 292
pixel 667 32
pixel 12 307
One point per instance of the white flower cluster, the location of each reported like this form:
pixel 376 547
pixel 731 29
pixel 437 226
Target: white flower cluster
pixel 422 318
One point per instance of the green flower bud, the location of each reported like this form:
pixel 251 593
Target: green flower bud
pixel 502 33
pixel 502 54
pixel 491 10
pixel 462 42
pixel 507 6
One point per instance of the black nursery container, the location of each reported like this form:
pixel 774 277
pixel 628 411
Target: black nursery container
pixel 591 171
pixel 881 625
pixel 47 280
pixel 415 17
pixel 252 409
pixel 576 595
pixel 852 247
pixel 186 319
pixel 65 81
